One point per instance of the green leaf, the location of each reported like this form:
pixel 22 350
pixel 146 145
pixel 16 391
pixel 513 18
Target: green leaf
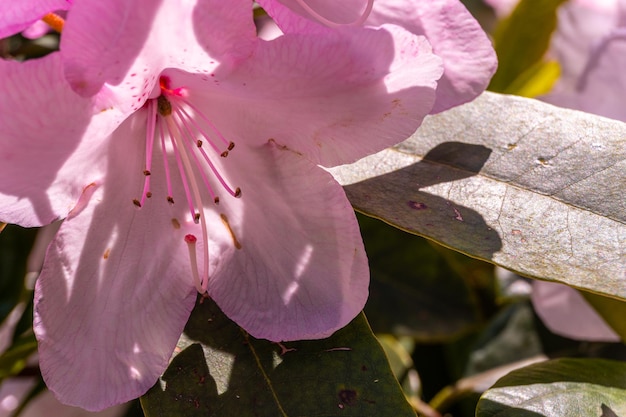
pixel 557 388
pixel 15 245
pixel 413 290
pixel 521 41
pixel 531 187
pixel 14 359
pixel 535 81
pixel 612 311
pixel 222 371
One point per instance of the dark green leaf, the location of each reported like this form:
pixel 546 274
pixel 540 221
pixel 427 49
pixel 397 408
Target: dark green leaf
pixel 557 388
pixel 414 291
pixel 222 371
pixel 15 245
pixel 13 360
pixel 525 185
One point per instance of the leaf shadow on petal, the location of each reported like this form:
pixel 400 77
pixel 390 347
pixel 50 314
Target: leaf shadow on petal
pixel 398 199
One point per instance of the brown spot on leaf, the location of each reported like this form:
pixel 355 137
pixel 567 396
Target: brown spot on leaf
pixel 415 205
pixel 348 396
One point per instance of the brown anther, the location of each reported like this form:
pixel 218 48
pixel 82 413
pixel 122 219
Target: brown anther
pixel 170 199
pixel 216 200
pixel 224 154
pixel 146 172
pixel 238 192
pixel 148 194
pixel 231 145
pixel 199 143
pixel 136 202
pixel 236 243
pixel 196 218
pixel 164 106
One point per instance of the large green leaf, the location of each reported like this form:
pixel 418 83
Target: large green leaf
pixel 413 290
pixel 521 41
pixel 531 187
pixel 222 371
pixel 562 387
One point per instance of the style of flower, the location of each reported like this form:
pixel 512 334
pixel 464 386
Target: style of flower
pixel 468 57
pixel 189 161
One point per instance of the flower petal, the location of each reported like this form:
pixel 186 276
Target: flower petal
pixel 127 43
pixel 581 26
pixel 596 90
pixel 43 143
pixel 115 291
pixel 335 98
pixel 328 12
pixel 21 14
pixel 301 271
pixel 468 56
pixel 565 312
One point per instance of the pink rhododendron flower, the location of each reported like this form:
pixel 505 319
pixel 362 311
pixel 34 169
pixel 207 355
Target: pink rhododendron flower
pixel 468 56
pixel 190 162
pixel 20 15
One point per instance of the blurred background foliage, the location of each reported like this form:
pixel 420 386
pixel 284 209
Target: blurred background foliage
pixel 449 324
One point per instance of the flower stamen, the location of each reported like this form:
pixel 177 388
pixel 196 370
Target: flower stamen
pixel 173 118
pixel 55 21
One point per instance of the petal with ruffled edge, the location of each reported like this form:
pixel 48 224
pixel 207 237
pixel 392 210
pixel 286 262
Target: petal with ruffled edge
pixel 127 43
pixel 116 289
pixel 335 98
pixel 23 13
pixel 599 88
pixel 581 26
pixel 290 263
pixel 468 56
pixel 565 312
pixel 328 12
pixel 43 143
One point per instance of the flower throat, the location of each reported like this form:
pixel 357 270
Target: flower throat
pixel 182 130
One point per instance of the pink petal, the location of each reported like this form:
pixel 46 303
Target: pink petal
pixel 599 88
pixel 42 143
pixel 23 13
pixel 468 56
pixel 14 390
pixel 581 27
pixel 127 43
pixel 328 12
pixel 565 312
pixel 116 290
pixel 335 98
pixel 301 271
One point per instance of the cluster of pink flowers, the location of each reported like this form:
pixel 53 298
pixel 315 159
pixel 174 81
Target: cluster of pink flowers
pixel 184 155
